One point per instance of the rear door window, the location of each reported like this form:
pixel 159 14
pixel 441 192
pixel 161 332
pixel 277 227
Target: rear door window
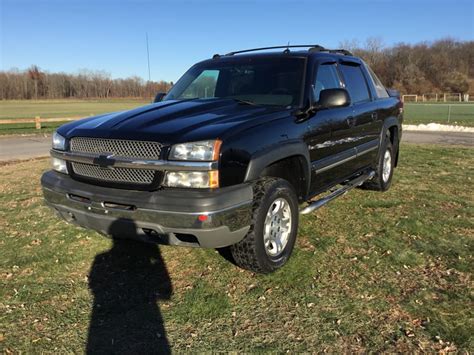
pixel 380 90
pixel 355 83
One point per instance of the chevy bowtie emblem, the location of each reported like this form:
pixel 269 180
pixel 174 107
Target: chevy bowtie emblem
pixel 105 161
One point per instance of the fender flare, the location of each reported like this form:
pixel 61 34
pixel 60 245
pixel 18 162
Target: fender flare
pixel 277 152
pixel 390 122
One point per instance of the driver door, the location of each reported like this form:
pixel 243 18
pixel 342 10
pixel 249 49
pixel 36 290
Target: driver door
pixel 322 145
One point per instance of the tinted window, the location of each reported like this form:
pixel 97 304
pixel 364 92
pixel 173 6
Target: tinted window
pixel 326 78
pixel 355 83
pixel 265 81
pixel 379 88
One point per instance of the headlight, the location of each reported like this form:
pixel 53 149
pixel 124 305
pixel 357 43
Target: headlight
pixel 192 179
pixel 59 142
pixel 196 151
pixel 59 165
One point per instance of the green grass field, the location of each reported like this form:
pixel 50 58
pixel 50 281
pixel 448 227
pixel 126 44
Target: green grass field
pixel 58 108
pixel 461 114
pixel 370 272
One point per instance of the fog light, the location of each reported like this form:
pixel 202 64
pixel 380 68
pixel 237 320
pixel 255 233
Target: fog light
pixel 59 165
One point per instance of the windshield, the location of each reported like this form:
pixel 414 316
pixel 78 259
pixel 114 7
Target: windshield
pixel 262 81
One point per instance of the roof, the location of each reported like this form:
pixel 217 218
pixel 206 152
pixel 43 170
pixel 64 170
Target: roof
pixel 312 48
pixel 296 51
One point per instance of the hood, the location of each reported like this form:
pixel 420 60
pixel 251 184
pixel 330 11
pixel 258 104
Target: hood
pixel 175 121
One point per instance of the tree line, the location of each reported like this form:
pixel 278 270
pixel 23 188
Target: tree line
pixel 441 66
pixel 34 83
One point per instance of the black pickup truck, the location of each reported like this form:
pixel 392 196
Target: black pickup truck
pixel 240 146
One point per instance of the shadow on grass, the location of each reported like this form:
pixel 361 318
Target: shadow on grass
pixel 127 281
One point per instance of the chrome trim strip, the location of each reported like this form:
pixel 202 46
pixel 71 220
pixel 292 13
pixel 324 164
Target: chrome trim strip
pixel 357 154
pixel 367 150
pixel 333 165
pixel 138 163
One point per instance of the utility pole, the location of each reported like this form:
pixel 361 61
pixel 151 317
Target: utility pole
pixel 148 56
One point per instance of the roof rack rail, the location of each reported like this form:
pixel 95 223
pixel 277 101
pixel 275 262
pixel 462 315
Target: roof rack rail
pixel 341 51
pixel 311 48
pixel 275 47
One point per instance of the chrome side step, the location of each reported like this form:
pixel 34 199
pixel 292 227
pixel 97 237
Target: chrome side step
pixel 314 205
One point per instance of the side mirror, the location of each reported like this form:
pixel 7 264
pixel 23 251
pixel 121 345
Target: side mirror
pixel 330 98
pixel 159 97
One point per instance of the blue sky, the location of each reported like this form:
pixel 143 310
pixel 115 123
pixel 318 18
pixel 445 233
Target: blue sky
pixel 71 35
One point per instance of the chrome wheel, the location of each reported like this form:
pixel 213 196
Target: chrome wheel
pixel 387 165
pixel 277 227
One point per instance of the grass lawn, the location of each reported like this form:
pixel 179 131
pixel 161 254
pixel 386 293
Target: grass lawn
pixel 370 272
pixel 57 108
pixel 461 114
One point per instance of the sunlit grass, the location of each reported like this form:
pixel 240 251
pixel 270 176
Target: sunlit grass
pixel 58 109
pixel 370 272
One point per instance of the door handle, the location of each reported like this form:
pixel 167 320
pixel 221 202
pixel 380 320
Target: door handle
pixel 374 115
pixel 350 121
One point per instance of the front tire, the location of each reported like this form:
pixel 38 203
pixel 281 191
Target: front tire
pixel 271 238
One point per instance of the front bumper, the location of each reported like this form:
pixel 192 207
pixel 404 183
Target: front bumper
pixel 166 216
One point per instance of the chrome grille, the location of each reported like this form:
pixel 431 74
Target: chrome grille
pixel 118 175
pixel 118 147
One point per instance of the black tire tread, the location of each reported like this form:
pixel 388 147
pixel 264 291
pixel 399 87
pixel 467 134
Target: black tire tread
pixel 245 252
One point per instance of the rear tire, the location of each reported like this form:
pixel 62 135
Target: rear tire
pixel 384 168
pixel 271 238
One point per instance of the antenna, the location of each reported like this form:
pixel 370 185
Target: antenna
pixel 148 56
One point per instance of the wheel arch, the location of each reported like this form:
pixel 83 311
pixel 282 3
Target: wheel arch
pixel 395 140
pixel 289 161
pixel 393 127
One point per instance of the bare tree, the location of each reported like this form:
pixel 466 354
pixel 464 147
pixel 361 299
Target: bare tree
pixel 441 66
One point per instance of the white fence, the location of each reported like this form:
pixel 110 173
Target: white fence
pixel 434 97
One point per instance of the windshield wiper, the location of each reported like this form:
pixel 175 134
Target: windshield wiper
pixel 244 102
